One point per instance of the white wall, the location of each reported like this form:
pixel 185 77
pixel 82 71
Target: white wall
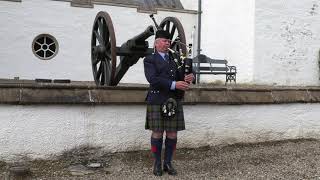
pixel 40 131
pixel 72 27
pixel 228 33
pixel 270 42
pixel 190 4
pixel 287 42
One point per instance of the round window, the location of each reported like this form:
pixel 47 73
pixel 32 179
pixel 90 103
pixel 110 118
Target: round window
pixel 45 46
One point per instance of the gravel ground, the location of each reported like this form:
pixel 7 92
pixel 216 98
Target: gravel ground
pixel 290 159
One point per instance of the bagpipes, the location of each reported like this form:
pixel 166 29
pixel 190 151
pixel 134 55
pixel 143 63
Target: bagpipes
pixel 169 107
pixel 182 60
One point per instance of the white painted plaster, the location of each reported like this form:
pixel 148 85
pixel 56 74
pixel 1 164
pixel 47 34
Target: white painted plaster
pixel 40 131
pixel 190 4
pixel 270 41
pixel 228 33
pixel 72 27
pixel 287 42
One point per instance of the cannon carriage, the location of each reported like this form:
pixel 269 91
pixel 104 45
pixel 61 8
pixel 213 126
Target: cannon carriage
pixel 110 63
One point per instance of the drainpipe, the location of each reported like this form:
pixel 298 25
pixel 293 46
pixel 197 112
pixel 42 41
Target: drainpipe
pixel 199 36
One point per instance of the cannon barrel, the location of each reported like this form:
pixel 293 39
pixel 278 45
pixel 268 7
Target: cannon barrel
pixel 138 42
pixel 131 51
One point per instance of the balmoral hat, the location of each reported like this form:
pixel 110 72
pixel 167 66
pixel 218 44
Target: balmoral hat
pixel 162 34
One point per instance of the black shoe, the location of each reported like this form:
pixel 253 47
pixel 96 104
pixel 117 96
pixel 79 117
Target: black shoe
pixel 169 168
pixel 157 171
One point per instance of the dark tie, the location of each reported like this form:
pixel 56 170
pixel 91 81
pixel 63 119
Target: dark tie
pixel 166 57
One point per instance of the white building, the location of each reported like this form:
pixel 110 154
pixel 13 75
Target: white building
pixel 274 42
pixel 72 28
pixel 270 42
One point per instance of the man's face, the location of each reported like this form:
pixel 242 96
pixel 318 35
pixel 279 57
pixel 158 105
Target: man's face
pixel 162 45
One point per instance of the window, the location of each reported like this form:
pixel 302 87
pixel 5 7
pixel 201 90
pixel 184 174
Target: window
pixel 45 46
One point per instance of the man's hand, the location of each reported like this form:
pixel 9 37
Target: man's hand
pixel 189 78
pixel 182 85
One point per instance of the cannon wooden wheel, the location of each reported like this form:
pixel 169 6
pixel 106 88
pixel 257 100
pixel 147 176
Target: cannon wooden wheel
pixel 103 50
pixel 175 28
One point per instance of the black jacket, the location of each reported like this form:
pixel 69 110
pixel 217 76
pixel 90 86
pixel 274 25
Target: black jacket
pixel 160 74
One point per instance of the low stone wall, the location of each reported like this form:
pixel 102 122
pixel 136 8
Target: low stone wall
pixel 40 120
pixel 88 93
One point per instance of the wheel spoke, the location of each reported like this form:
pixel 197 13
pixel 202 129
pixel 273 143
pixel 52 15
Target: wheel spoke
pixel 172 31
pixel 38 50
pixel 108 53
pixel 100 27
pixel 108 70
pixel 175 45
pixel 38 43
pixel 99 71
pixel 107 34
pixel 103 65
pixel 108 44
pixel 105 72
pixel 98 37
pixel 168 26
pixel 108 65
pixel 94 55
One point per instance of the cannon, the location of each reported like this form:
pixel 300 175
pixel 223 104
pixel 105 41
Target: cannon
pixel 110 63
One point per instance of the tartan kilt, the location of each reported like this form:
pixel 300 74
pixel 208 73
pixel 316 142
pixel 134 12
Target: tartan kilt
pixel 156 122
